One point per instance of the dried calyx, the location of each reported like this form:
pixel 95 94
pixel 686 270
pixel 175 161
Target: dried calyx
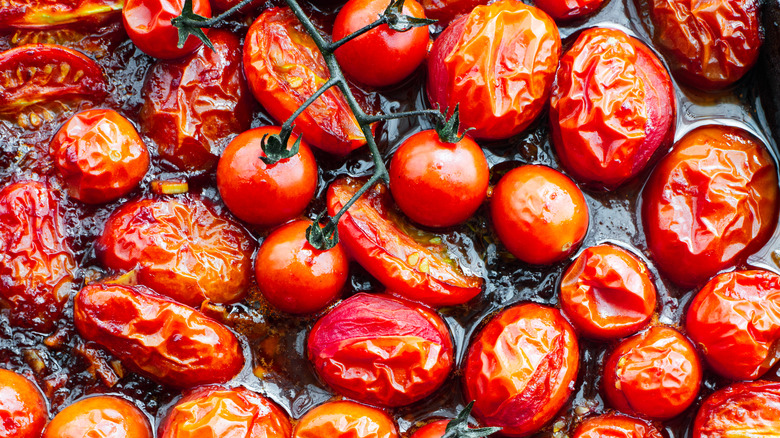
pixel 459 427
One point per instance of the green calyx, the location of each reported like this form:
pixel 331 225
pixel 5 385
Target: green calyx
pixel 190 23
pixel 275 146
pixel 399 22
pixel 459 427
pixel 448 128
pixel 322 237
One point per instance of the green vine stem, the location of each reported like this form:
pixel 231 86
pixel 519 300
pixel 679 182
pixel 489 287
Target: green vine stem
pixel 459 427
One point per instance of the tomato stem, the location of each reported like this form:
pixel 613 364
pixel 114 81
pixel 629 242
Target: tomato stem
pixel 402 115
pixel 459 426
pixel 336 44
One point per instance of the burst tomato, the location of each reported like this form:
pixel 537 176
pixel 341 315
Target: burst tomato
pixel 749 409
pixel 616 426
pixel 345 419
pixel 20 14
pixel 148 24
pixel 23 411
pixel 565 10
pixel 103 416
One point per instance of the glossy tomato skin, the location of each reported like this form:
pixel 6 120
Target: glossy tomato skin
pixel 735 318
pixel 432 430
pixel 655 374
pixel 374 238
pixel 566 10
pixel 381 350
pixel 148 24
pixel 741 409
pixel 506 42
pixel 130 322
pixel 520 369
pixel 345 419
pixel 104 416
pixel 42 14
pixel 260 193
pixel 438 184
pixel 616 426
pixel 607 293
pixel 709 203
pixel 612 108
pixel 22 407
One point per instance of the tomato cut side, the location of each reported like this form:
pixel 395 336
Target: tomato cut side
pixel 17 14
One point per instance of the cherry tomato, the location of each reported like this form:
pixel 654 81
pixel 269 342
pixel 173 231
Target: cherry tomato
pixel 506 43
pixel 345 419
pixel 709 203
pixel 156 336
pixel 735 318
pixel 539 214
pixel 265 194
pixel 100 156
pixel 520 369
pixel 21 14
pixel 654 374
pixel 612 107
pixel 748 409
pixel 616 426
pixel 444 11
pixel 193 103
pixel 100 416
pixel 179 248
pixel 438 184
pixel 376 239
pixel 565 10
pixel 381 350
pixel 284 68
pixel 23 411
pixel 432 430
pixel 607 293
pixel 148 24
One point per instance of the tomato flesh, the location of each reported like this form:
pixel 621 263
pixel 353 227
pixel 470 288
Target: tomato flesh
pixel 22 14
pixel 22 407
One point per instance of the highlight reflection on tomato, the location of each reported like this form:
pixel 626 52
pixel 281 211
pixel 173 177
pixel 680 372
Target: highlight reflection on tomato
pixel 749 409
pixel 23 409
pixel 345 419
pixel 148 24
pixel 616 426
pixel 103 415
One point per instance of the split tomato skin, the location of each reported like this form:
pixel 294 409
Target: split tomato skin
pixel 568 10
pixel 22 407
pixel 616 426
pixel 345 419
pixel 148 24
pixel 96 416
pixel 744 409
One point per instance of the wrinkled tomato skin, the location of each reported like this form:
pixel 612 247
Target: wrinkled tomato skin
pixel 104 416
pixel 709 203
pixel 735 318
pixel 282 83
pixel 567 10
pixel 265 194
pixel 23 411
pixel 741 409
pixel 36 261
pixel 607 293
pixel 655 374
pixel 41 14
pixel 612 108
pixel 432 430
pixel 345 419
pixel 193 103
pixel 405 267
pixel 148 24
pixel 471 55
pixel 616 426
pixel 180 248
pixel 130 322
pixel 381 350
pixel 520 369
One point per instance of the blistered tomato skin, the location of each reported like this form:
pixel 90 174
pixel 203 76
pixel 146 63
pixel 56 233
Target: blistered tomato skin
pixel 345 419
pixel 612 107
pixel 23 411
pixel 520 369
pixel 41 14
pixel 749 409
pixel 735 318
pixel 381 350
pixel 104 416
pixel 616 426
pixel 566 10
pixel 506 43
pixel 148 24
pixel 709 203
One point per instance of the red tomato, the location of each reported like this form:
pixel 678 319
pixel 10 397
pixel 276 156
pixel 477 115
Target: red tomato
pixel 284 68
pixel 607 293
pixel 100 416
pixel 506 43
pixel 709 203
pixel 263 194
pixel 539 214
pixel 148 24
pixel 444 11
pixel 616 426
pixel 612 108
pixel 735 319
pixel 654 374
pixel 345 419
pixel 381 350
pixel 432 430
pixel 23 14
pixel 376 239
pixel 749 409
pixel 23 411
pixel 520 369
pixel 438 184
pixel 564 10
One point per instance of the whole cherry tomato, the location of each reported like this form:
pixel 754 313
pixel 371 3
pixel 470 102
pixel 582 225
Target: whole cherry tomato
pixel 438 184
pixel 497 64
pixel 345 419
pixel 612 107
pixel 375 238
pixel 23 411
pixel 23 14
pixel 607 293
pixel 148 24
pixel 381 350
pixel 616 426
pixel 520 369
pixel 432 430
pixel 709 203
pixel 654 374
pixel 265 194
pixel 100 416
pixel 564 10
pixel 748 409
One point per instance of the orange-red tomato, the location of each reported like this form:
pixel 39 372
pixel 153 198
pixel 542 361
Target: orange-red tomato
pixel 260 193
pixel 654 374
pixel 506 43
pixel 37 14
pixel 375 238
pixel 607 293
pixel 102 416
pixel 520 369
pixel 381 350
pixel 616 426
pixel 23 411
pixel 345 419
pixel 565 10
pixel 148 24
pixel 709 203
pixel 612 107
pixel 432 430
pixel 749 409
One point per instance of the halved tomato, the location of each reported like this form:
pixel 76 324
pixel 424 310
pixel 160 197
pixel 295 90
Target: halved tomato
pixel 16 14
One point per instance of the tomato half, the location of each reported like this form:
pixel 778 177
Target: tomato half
pixel 102 415
pixel 23 409
pixel 345 419
pixel 565 10
pixel 148 24
pixel 20 14
pixel 616 426
pixel 749 409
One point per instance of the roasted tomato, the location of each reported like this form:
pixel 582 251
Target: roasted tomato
pixel 23 411
pixel 19 14
pixel 444 11
pixel 220 412
pixel 345 419
pixel 375 238
pixel 709 203
pixel 749 409
pixel 565 10
pixel 735 319
pixel 607 293
pixel 180 248
pixel 709 45
pixel 193 103
pixel 265 194
pixel 158 337
pixel 100 156
pixel 438 184
pixel 100 416
pixel 498 65
pixel 612 107
pixel 148 24
pixel 36 263
pixel 520 369
pixel 616 426
pixel 432 430
pixel 284 68
pixel 654 374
